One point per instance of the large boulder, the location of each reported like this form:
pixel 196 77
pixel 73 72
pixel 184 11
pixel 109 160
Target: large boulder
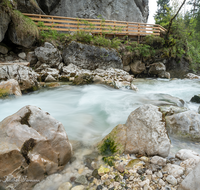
pixel 10 87
pixel 185 154
pixel 137 67
pixel 22 30
pixel 91 57
pixel 185 124
pixel 32 144
pixel 25 76
pixel 191 182
pixel 5 20
pixel 48 55
pixel 124 10
pixel 144 133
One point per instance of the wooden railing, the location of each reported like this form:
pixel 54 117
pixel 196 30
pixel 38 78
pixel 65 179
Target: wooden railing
pixel 97 26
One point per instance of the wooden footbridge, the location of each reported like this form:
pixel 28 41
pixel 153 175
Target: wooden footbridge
pixel 96 26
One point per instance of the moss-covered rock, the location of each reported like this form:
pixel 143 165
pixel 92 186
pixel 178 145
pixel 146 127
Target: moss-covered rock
pixel 4 93
pixel 83 79
pixel 118 136
pixel 22 30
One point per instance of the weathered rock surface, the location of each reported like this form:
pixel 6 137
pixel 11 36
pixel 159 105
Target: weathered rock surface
pixel 91 57
pixel 5 20
pixel 3 49
pixel 137 67
pixel 191 182
pixel 48 54
pixel 158 69
pixel 185 154
pixel 124 10
pixel 33 144
pixel 185 124
pixel 10 87
pixel 146 133
pixel 31 57
pixel 25 76
pixel 192 76
pixel 29 6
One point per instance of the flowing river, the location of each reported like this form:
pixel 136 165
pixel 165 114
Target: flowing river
pixel 90 112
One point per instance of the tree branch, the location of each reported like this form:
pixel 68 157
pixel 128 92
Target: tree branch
pixel 171 20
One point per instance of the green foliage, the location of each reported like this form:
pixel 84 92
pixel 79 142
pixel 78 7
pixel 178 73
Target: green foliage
pixel 154 41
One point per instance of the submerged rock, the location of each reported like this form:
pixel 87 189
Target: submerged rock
pixel 33 144
pixel 185 124
pixel 192 76
pixel 10 87
pixel 195 98
pixel 91 57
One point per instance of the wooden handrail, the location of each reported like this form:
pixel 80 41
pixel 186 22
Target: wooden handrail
pixel 64 24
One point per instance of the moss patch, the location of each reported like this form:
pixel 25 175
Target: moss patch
pixel 24 120
pixel 4 93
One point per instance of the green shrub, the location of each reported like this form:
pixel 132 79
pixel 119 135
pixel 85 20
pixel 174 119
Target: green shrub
pixel 154 41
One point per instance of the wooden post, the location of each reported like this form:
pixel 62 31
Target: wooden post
pixel 138 33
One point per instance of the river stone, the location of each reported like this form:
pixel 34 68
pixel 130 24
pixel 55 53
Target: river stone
pixel 185 124
pixel 32 143
pixel 50 78
pixel 26 77
pixel 10 87
pixel 91 57
pixel 126 68
pixel 79 187
pixel 22 55
pixel 171 179
pixel 65 186
pixel 123 10
pixel 174 170
pixel 137 67
pixel 195 98
pixel 146 133
pixel 5 20
pixel 48 54
pixel 158 161
pixel 157 69
pixel 81 180
pixel 191 182
pixel 185 154
pixel 192 76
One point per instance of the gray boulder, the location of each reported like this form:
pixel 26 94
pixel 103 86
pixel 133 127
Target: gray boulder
pixel 32 144
pixel 157 69
pixel 5 20
pixel 185 124
pixel 26 77
pixel 191 182
pixel 3 49
pixel 91 57
pixel 137 67
pixel 124 10
pixel 146 132
pixel 48 54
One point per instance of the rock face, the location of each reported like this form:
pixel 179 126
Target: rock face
pixel 91 57
pixel 124 10
pixel 143 133
pixel 48 54
pixel 48 5
pixel 25 76
pixel 29 6
pixel 5 20
pixel 185 124
pixel 146 133
pixel 10 87
pixel 33 143
pixel 191 182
